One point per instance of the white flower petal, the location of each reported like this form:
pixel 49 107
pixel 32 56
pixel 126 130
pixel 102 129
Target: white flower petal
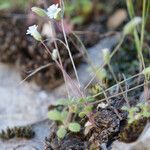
pixel 32 30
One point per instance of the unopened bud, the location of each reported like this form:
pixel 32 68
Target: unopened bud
pixel 39 11
pixel 55 54
pixel 106 55
pixel 130 26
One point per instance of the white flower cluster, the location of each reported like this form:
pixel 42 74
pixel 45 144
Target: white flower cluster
pixel 52 13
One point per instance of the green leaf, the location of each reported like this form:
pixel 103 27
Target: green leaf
pixel 90 99
pixel 82 100
pixel 54 115
pixel 64 102
pixel 125 108
pixel 146 111
pixel 64 115
pixel 73 108
pixel 88 108
pixel 146 71
pixel 87 99
pixel 87 8
pixel 77 20
pixel 61 132
pixel 74 127
pixel 5 5
pixel 146 114
pixel 39 11
pixel 82 114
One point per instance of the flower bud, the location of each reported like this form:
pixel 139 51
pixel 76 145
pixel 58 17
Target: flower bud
pixel 39 11
pixel 130 26
pixel 55 54
pixel 106 55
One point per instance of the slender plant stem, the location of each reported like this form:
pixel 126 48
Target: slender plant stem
pixel 62 69
pixel 143 22
pixel 36 71
pixel 102 66
pixel 114 76
pixel 55 43
pixel 68 48
pixel 120 93
pixel 117 84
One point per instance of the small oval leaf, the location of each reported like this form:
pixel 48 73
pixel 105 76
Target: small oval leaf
pixel 39 11
pixel 64 115
pixel 82 114
pixel 54 115
pixel 74 127
pixel 88 108
pixel 61 132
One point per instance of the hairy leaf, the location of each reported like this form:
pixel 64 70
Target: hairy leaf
pixel 54 115
pixel 74 127
pixel 61 132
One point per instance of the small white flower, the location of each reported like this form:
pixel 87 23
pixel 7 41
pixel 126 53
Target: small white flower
pixel 53 11
pixel 32 30
pixel 102 105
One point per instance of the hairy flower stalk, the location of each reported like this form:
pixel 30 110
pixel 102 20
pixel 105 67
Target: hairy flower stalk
pixel 67 45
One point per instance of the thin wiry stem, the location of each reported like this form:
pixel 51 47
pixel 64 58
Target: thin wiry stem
pixel 81 94
pixel 36 71
pixel 55 43
pixel 102 66
pixel 117 84
pixel 143 23
pixel 114 76
pixel 68 48
pixel 104 99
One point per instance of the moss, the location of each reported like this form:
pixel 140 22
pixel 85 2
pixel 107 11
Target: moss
pixel 131 132
pixel 18 132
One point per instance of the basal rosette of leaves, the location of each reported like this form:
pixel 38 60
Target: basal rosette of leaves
pixel 66 116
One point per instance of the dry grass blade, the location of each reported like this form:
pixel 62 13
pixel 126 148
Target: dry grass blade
pixel 36 71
